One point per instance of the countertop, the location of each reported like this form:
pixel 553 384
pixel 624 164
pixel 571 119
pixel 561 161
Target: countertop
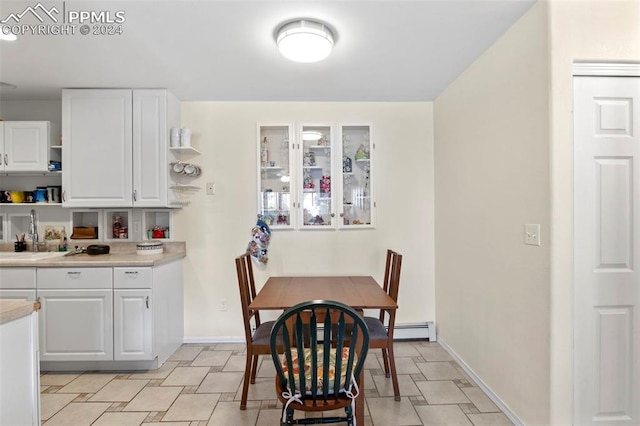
pixel 121 254
pixel 11 309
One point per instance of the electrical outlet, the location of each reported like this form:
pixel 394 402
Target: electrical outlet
pixel 223 305
pixel 211 188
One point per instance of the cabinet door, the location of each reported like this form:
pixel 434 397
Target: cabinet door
pixel 26 146
pixel 20 378
pixel 316 182
pixel 274 175
pixel 357 203
pixel 76 325
pixel 150 148
pixel 133 325
pixel 97 154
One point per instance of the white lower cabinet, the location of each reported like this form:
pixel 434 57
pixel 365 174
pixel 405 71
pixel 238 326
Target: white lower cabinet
pixel 110 314
pixel 132 325
pixel 76 325
pixel 133 314
pixel 19 372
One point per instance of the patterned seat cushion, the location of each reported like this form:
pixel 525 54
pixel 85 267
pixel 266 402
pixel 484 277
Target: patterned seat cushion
pixel 307 367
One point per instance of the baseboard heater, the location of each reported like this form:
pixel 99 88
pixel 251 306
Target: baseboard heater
pixel 409 331
pixel 415 331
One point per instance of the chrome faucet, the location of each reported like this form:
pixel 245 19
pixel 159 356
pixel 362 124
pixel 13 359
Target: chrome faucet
pixel 33 230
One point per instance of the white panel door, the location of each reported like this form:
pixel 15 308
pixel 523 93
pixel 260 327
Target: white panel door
pixel 76 325
pixel 133 325
pixel 607 250
pixel 97 141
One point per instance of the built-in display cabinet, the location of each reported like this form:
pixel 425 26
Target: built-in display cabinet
pixel 318 177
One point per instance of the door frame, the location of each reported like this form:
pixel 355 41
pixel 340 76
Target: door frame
pixel 581 69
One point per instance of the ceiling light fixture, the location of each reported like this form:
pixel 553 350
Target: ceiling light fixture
pixel 305 40
pixel 311 135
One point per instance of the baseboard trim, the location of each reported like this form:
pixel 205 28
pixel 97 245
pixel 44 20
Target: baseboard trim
pixel 487 390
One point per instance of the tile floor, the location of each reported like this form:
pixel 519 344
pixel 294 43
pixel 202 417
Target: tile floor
pixel 201 385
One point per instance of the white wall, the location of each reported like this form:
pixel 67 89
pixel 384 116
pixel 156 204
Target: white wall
pixel 605 31
pixel 42 110
pixel 217 228
pixel 492 177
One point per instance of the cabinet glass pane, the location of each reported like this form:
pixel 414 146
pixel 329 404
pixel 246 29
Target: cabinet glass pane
pixel 275 175
pixel 356 176
pixel 316 176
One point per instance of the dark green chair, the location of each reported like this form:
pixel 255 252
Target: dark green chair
pixel 319 331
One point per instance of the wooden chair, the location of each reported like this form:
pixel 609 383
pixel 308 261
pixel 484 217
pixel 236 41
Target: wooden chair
pixel 381 337
pixel 258 341
pixel 314 341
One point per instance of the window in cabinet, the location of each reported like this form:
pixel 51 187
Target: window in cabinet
pixel 274 175
pixel 357 184
pixel 316 177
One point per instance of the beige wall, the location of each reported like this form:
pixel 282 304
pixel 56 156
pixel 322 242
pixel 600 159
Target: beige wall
pixel 217 228
pixel 602 31
pixel 492 177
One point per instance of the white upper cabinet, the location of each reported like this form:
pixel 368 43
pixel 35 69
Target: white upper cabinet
pixel 97 148
pixel 115 150
pixel 25 146
pixel 154 113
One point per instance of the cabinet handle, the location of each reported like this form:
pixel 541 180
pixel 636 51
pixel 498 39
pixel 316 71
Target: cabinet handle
pixel 135 195
pixel 6 160
pixel 64 195
pixel 341 214
pixel 333 215
pixel 131 274
pixel 73 274
pixel 147 301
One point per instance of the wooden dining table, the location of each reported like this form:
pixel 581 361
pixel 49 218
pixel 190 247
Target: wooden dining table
pixel 358 292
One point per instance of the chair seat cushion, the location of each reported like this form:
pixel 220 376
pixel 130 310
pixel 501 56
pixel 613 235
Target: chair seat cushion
pixel 377 331
pixel 319 371
pixel 263 333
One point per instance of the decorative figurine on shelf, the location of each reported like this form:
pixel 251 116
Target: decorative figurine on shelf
pixel 309 159
pixel 362 153
pixel 264 152
pixel 323 141
pixel 283 219
pixel 316 220
pixel 307 182
pixel 259 244
pixel 325 185
pixel 346 165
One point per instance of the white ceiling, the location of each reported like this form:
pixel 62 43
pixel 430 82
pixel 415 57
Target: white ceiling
pixel 225 50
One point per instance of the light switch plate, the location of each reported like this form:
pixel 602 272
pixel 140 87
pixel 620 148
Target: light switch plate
pixel 532 234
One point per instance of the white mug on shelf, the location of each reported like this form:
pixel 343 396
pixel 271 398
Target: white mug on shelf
pixel 185 137
pixel 175 137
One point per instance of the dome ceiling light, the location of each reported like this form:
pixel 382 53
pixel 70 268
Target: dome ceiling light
pixel 304 40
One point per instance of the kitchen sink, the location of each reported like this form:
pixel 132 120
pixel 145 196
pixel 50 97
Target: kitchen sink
pixel 29 255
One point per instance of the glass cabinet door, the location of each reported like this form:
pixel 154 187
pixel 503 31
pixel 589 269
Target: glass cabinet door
pixel 357 183
pixel 274 175
pixel 316 177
